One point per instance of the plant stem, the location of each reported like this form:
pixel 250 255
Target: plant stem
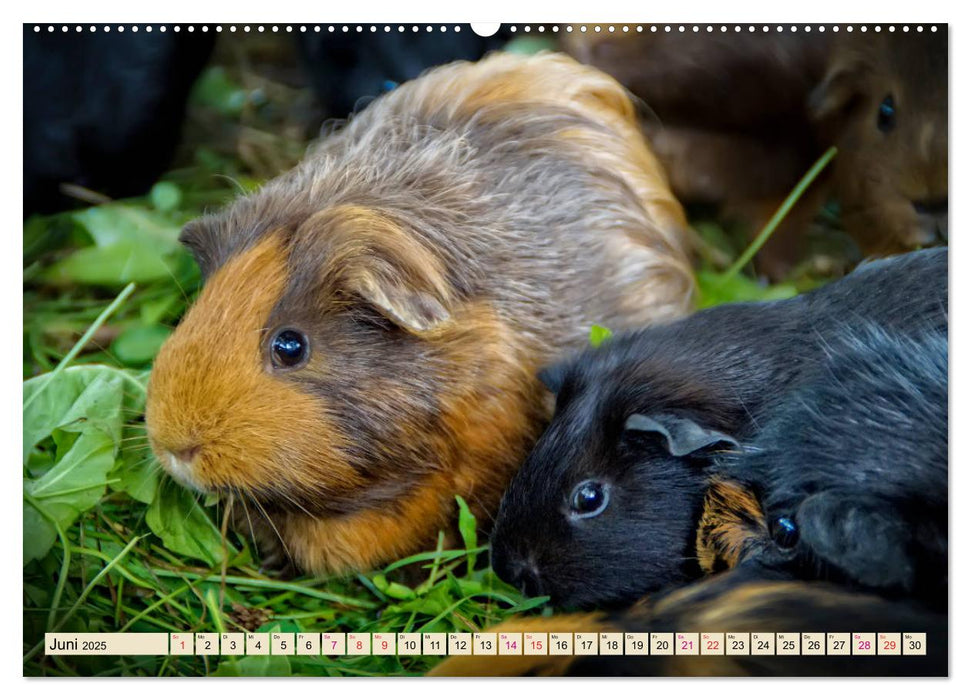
pixel 65 562
pixel 781 212
pixel 78 346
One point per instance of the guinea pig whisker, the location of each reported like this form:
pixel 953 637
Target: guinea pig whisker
pixel 185 297
pixel 155 467
pixel 141 439
pixel 294 501
pixel 195 503
pixel 249 521
pixel 269 520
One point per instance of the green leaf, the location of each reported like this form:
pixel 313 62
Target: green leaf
pixel 598 334
pixel 467 525
pixel 255 666
pixel 528 45
pixel 110 224
pixel 74 399
pixel 130 245
pixel 75 484
pixel 184 526
pixel 153 311
pixel 79 411
pixel 112 265
pixel 138 475
pixel 215 90
pixel 138 345
pixel 467 587
pixel 529 604
pixel 392 589
pixel 433 603
pixel 165 196
pixel 715 288
pixel 39 534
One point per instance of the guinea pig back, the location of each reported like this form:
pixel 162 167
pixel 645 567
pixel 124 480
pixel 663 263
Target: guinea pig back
pixel 366 341
pixel 852 470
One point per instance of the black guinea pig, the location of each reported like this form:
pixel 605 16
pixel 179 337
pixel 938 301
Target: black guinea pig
pixel 851 471
pixel 606 506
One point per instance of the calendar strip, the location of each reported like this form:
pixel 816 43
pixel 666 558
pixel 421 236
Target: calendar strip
pixel 488 644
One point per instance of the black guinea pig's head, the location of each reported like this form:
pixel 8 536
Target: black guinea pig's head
pixel 606 506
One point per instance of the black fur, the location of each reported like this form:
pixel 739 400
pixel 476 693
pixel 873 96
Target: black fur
pixel 103 110
pixel 723 369
pixel 857 459
pixel 743 600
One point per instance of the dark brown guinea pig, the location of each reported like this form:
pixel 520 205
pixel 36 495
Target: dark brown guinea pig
pixel 366 342
pixel 883 102
pixel 737 120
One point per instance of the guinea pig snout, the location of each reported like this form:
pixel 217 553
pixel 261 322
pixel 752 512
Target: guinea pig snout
pixel 180 460
pixel 518 571
pixel 932 223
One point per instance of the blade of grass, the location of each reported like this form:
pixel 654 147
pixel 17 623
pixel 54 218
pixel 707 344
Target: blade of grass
pixel 781 212
pixel 81 598
pixel 78 346
pixel 65 562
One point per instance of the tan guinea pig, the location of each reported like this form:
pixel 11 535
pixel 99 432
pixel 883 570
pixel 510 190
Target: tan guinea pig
pixel 366 341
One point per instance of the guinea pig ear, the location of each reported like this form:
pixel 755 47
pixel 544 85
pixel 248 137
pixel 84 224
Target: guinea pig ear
pixel 837 94
pixel 410 308
pixel 198 236
pixel 682 436
pixel 368 254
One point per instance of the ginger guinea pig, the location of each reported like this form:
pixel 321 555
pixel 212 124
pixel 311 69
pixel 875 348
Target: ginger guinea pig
pixel 607 505
pixel 366 341
pixel 737 120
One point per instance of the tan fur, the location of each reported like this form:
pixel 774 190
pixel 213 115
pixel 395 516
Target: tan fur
pixel 524 665
pixel 227 373
pixel 731 524
pixel 461 232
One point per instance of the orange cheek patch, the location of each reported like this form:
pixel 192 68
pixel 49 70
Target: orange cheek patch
pixel 210 387
pixel 731 524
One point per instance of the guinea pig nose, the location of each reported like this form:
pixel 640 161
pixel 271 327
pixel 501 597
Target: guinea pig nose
pixel 186 454
pixel 931 207
pixel 517 572
pixel 529 582
pixel 503 564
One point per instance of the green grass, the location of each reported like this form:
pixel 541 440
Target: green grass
pixel 110 543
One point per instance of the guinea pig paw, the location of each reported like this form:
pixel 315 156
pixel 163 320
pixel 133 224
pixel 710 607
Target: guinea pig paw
pixel 278 565
pixel 859 536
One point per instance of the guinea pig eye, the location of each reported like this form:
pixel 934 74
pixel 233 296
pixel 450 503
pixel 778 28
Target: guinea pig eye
pixel 289 348
pixel 887 114
pixel 784 532
pixel 589 499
